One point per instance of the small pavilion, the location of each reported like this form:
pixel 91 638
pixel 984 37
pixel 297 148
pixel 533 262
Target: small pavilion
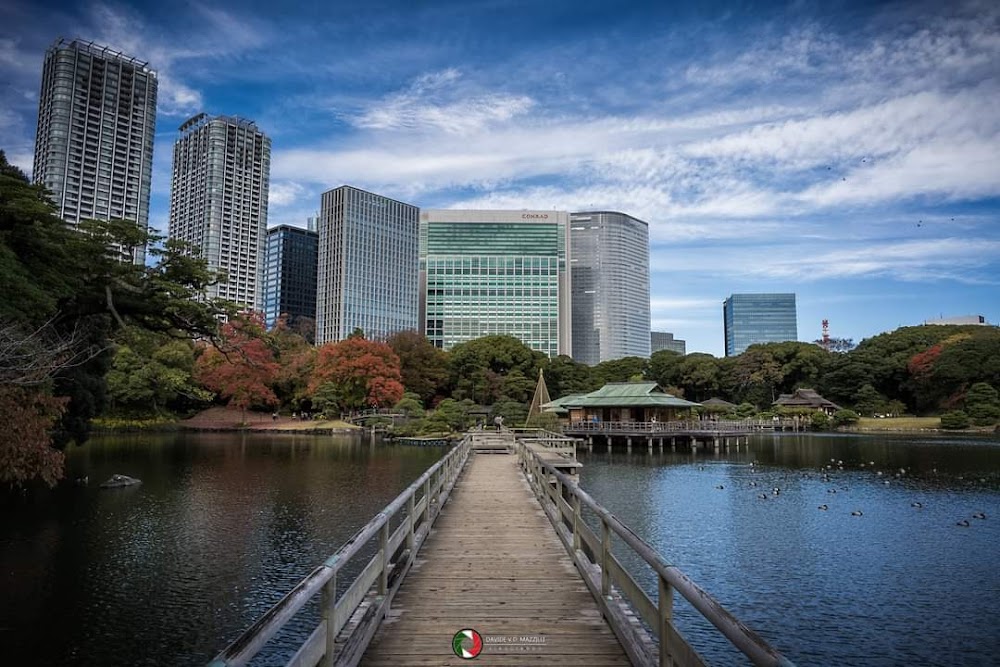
pixel 806 398
pixel 622 402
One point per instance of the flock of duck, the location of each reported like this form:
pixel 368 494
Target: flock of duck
pixel 837 464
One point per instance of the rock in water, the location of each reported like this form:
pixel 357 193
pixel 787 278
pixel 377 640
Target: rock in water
pixel 120 480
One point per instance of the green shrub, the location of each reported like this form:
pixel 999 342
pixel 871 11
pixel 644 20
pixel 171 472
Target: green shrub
pixel 820 421
pixel 845 417
pixel 954 420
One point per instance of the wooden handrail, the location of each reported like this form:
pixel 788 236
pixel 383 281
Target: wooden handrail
pixel 377 582
pixel 550 486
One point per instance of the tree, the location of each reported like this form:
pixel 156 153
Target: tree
pixel 565 377
pixel 514 413
pixel 409 405
pixel 982 404
pixel 295 358
pixel 954 420
pixel 241 368
pixel 845 417
pixel 423 367
pixel 79 290
pixel 153 372
pixel 700 376
pixel 619 370
pixel 479 366
pixel 868 401
pixel 25 451
pixel 819 421
pixel 362 373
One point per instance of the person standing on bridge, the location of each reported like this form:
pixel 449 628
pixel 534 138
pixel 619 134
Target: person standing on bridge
pixel 498 420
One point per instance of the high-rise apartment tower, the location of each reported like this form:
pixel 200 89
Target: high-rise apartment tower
pixel 758 318
pixel 496 272
pixel 218 201
pixel 367 271
pixel 610 268
pixel 96 120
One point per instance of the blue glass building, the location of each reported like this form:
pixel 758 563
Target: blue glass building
pixel 758 318
pixel 367 269
pixel 290 274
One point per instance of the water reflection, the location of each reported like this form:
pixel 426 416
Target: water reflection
pixel 168 571
pixel 896 585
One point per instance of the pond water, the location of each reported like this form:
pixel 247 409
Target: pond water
pixel 898 585
pixel 170 571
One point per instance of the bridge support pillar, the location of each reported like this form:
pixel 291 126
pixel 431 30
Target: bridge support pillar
pixel 715 441
pixel 673 444
pixel 649 443
pixel 628 443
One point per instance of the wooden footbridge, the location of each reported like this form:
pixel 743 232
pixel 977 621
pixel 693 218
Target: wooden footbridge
pixel 496 540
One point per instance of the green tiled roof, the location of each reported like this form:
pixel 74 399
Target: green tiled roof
pixel 625 394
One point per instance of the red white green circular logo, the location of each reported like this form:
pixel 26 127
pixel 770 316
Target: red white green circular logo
pixel 467 644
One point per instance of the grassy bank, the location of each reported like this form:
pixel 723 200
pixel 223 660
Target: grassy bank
pixel 898 424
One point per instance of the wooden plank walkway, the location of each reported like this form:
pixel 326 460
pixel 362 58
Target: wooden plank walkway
pixel 493 563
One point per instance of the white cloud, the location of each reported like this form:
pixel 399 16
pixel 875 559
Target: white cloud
pixel 434 100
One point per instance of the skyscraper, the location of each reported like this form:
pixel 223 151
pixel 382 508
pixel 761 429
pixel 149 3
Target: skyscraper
pixel 610 286
pixel 496 272
pixel 290 274
pixel 96 120
pixel 218 201
pixel 367 273
pixel 662 340
pixel 758 318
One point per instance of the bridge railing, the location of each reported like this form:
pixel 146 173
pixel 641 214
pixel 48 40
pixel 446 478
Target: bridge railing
pixel 350 619
pixel 612 584
pixel 547 440
pixel 693 426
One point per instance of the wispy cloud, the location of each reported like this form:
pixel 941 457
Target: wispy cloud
pixel 436 100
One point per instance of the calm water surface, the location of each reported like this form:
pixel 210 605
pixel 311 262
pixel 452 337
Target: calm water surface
pixel 898 585
pixel 168 572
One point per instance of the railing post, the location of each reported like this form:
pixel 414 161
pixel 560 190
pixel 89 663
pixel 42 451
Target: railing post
pixel 383 541
pixel 666 613
pixel 605 557
pixel 411 521
pixel 576 523
pixel 329 616
pixel 427 500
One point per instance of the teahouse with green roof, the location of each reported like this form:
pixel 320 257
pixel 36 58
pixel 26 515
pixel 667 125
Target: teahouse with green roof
pixel 622 402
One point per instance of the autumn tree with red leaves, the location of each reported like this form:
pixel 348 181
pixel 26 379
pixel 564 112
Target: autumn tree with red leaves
pixel 241 368
pixel 355 373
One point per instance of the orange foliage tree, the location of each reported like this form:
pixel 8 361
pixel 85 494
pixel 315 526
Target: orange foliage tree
pixel 241 368
pixel 356 373
pixel 29 415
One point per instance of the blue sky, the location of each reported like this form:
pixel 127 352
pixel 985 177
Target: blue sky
pixel 845 151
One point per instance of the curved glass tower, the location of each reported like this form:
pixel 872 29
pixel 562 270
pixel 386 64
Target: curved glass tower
pixel 610 274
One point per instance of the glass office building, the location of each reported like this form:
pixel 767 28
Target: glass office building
pixel 367 270
pixel 758 318
pixel 662 340
pixel 290 274
pixel 94 146
pixel 488 273
pixel 610 271
pixel 218 201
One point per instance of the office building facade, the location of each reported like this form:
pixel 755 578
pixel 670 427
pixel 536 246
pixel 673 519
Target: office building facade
pixel 218 201
pixel 94 143
pixel 610 276
pixel 290 258
pixel 661 340
pixel 758 318
pixel 488 273
pixel 367 270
